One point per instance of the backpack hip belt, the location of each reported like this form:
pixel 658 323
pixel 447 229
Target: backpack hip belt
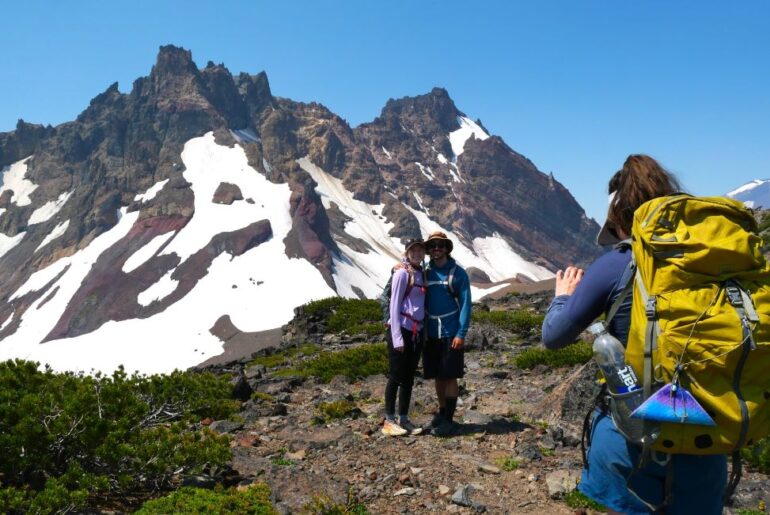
pixel 440 317
pixel 416 324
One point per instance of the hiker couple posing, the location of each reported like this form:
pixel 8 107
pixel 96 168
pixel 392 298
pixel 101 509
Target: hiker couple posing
pixel 440 295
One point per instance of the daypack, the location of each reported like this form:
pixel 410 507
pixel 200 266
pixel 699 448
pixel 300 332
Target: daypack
pixel 700 318
pixel 384 298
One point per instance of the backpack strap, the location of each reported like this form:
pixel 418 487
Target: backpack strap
pixel 735 477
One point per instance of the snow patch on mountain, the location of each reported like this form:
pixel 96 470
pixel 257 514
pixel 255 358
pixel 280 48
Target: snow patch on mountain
pixel 57 231
pixel 366 271
pixel 467 129
pixel 139 257
pixel 426 171
pixel 491 254
pixel 158 291
pixel 7 243
pixel 179 336
pixel 370 271
pixel 754 194
pixel 49 209
pixel 245 135
pixel 150 193
pixel 14 180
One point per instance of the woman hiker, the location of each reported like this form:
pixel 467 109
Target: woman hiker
pixel 611 475
pixel 404 338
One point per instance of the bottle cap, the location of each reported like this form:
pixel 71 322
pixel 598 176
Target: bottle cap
pixel 597 328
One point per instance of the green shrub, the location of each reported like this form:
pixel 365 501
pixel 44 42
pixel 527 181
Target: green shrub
pixel 515 321
pixel 65 437
pixel 575 354
pixel 286 356
pixel 354 316
pixel 323 505
pixel 319 306
pixel 758 456
pixel 253 500
pixel 328 411
pixel 576 500
pixel 355 362
pixel 508 463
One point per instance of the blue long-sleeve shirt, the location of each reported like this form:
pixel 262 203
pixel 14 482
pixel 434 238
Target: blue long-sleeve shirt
pixel 602 282
pixel 440 302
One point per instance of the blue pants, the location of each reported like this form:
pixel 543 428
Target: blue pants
pixel 611 477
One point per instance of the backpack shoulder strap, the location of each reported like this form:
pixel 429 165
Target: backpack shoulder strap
pixel 409 282
pixel 626 289
pixel 450 281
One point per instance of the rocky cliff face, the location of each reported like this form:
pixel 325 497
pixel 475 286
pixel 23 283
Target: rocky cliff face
pixel 199 194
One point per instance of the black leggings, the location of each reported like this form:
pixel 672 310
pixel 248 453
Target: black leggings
pixel 403 365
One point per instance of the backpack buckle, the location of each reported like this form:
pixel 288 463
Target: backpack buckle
pixel 651 309
pixel 734 295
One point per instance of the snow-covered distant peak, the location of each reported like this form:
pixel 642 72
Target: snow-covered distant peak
pixel 467 128
pixel 754 194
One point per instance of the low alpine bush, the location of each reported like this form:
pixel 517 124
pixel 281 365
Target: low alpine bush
pixel 362 361
pixel 514 321
pixel 354 316
pixel 575 354
pixel 758 456
pixel 66 438
pixel 254 500
pixel 577 500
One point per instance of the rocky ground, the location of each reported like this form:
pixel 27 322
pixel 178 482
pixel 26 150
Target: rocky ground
pixel 517 449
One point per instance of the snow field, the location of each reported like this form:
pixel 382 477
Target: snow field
pixel 49 209
pixel 251 288
pixel 491 254
pixel 57 231
pixel 367 271
pixel 9 242
pixel 458 138
pixel 150 193
pixel 139 257
pixel 370 271
pixel 13 179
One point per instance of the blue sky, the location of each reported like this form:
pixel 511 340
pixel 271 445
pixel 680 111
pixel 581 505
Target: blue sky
pixel 574 86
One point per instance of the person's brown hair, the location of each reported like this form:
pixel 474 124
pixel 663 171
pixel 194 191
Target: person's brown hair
pixel 641 179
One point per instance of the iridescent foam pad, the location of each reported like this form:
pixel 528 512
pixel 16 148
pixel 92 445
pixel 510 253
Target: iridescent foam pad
pixel 675 405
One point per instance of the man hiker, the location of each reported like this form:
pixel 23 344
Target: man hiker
pixel 449 314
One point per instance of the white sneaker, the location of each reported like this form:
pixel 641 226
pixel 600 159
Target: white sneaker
pixel 392 429
pixel 410 428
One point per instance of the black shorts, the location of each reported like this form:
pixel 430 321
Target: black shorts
pixel 403 364
pixel 441 361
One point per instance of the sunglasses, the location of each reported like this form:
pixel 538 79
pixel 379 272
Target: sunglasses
pixel 433 246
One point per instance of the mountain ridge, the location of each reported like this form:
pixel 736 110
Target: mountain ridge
pixel 152 172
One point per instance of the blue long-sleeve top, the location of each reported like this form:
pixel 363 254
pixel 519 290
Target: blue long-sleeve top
pixel 602 282
pixel 456 311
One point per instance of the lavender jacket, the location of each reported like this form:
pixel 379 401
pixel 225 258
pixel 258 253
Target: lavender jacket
pixel 413 305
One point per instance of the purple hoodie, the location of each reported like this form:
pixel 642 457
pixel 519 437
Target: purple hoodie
pixel 412 305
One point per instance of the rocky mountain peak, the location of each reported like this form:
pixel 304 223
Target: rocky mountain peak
pixel 149 189
pixel 173 60
pixel 429 114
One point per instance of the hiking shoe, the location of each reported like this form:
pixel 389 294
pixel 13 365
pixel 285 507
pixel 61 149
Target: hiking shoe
pixel 436 421
pixel 392 429
pixel 445 429
pixel 410 428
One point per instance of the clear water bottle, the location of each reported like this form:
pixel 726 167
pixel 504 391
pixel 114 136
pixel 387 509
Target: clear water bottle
pixel 621 380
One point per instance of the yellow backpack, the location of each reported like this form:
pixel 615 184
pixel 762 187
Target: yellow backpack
pixel 700 317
